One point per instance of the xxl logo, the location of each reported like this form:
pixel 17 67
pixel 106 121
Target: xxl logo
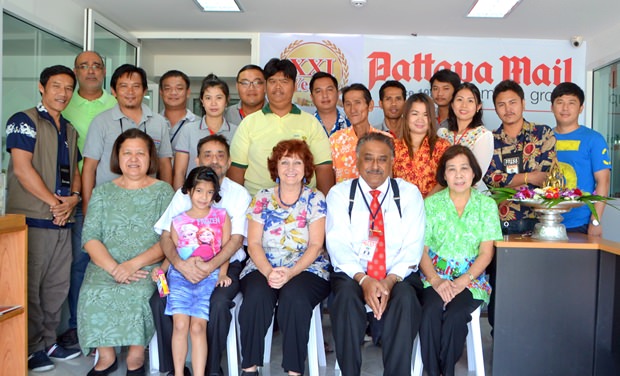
pixel 312 57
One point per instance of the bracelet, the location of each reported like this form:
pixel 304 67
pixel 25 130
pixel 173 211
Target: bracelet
pixel 526 178
pixel 362 279
pixel 471 277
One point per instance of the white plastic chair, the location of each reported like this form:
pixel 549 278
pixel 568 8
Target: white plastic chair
pixel 231 344
pixel 475 359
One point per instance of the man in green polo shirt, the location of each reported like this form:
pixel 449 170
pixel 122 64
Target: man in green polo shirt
pixel 278 120
pixel 89 101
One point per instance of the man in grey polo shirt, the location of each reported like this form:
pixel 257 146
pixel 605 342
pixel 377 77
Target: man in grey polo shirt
pixel 251 89
pixel 128 85
pixel 174 92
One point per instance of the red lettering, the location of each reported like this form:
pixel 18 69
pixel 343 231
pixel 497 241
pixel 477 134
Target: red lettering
pixel 401 71
pixel 484 73
pixel 540 75
pixel 516 69
pixel 520 70
pixel 568 71
pixel 298 63
pixel 308 67
pixel 379 67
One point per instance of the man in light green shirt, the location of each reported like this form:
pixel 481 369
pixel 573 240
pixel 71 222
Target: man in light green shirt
pixel 89 101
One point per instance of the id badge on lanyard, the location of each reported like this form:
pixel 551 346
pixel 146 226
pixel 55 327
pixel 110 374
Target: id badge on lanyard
pixel 513 163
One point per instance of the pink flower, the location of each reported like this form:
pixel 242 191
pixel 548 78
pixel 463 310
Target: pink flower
pixel 301 219
pixel 259 205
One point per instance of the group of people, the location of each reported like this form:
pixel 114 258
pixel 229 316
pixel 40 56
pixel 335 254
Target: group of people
pixel 281 205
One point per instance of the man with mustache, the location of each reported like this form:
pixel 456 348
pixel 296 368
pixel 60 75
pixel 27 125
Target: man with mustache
pixel 392 96
pixel 128 84
pixel 375 237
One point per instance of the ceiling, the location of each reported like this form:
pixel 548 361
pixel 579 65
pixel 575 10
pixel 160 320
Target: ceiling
pixel 537 19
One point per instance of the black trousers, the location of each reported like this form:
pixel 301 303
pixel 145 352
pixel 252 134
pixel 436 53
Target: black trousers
pixel 401 322
pixel 443 332
pixel 217 327
pixel 295 300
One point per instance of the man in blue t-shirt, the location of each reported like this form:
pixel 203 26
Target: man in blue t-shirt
pixel 583 156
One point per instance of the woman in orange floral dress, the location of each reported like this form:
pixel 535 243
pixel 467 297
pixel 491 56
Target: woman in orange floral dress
pixel 418 149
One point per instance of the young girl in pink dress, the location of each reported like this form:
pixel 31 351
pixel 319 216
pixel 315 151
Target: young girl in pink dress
pixel 199 232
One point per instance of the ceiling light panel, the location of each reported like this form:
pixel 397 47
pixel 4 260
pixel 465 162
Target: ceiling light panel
pixel 492 8
pixel 218 5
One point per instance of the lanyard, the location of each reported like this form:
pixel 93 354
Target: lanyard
pixel 373 215
pixel 457 141
pixel 178 129
pixel 121 121
pixel 241 113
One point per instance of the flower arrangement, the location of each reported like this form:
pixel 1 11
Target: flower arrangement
pixel 548 196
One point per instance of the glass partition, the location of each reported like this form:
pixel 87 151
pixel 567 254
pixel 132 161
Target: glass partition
pixel 606 116
pixel 115 50
pixel 26 51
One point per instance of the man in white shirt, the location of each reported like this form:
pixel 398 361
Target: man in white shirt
pixel 362 242
pixel 213 151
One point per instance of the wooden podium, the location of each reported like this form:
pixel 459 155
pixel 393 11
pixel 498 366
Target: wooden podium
pixel 13 293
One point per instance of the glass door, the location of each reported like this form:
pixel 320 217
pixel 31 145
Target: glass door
pixel 606 116
pixel 116 45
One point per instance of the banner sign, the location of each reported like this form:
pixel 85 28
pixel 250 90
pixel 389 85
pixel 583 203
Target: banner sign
pixel 538 65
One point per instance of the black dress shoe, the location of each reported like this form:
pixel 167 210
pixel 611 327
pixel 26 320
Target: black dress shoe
pixel 136 372
pixel 186 372
pixel 104 372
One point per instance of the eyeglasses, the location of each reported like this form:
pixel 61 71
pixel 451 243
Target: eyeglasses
pixel 256 83
pixel 85 67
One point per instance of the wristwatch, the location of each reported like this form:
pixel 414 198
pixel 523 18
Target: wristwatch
pixel 595 223
pixel 78 194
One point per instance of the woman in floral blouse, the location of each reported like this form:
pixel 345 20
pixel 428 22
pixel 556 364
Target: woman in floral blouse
pixel 286 230
pixel 418 149
pixel 461 225
pixel 465 126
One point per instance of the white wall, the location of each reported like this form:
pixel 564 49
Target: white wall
pixel 603 48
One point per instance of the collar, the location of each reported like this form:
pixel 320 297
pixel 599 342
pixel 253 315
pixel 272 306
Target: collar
pixel 46 115
pixel 80 100
pixel 189 116
pixel 366 188
pixel 117 114
pixel 294 110
pixel 203 124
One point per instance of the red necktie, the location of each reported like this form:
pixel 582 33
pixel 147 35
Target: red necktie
pixel 376 266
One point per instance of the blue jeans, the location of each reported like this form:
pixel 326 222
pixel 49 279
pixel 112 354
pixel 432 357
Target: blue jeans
pixel 78 265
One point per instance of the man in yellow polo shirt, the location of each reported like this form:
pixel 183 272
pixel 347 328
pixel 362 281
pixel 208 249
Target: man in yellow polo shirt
pixel 89 101
pixel 278 120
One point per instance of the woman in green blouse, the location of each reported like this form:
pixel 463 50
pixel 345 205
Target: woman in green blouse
pixel 461 225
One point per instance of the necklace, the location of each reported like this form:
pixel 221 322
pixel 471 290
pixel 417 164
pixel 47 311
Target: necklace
pixel 284 203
